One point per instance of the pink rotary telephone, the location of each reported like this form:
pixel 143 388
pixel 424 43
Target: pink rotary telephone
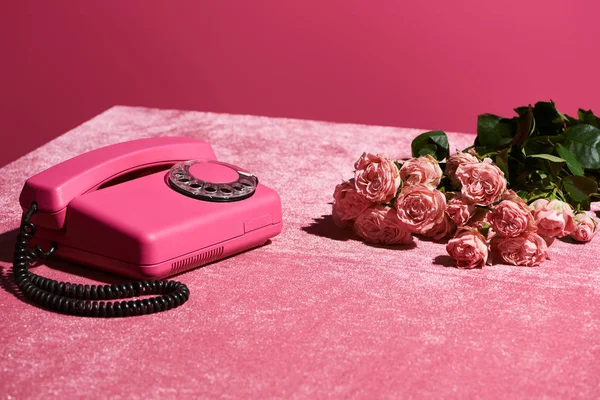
pixel 143 210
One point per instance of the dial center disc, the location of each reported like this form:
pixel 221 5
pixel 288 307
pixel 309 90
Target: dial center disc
pixel 212 172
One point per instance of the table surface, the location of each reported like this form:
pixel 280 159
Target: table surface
pixel 315 313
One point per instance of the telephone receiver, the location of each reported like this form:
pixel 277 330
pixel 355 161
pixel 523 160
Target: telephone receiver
pixel 145 209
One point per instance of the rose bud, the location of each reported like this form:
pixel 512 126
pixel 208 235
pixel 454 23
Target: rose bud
pixel 459 211
pixel 420 208
pixel 511 218
pixel 376 177
pixel 347 204
pixel 482 183
pixel 585 228
pixel 528 249
pixel 456 161
pixel 380 224
pixel 423 170
pixel 553 218
pixel 445 227
pixel 468 249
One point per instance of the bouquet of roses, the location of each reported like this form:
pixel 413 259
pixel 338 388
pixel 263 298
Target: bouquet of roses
pixel 524 182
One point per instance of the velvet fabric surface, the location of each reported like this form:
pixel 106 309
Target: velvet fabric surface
pixel 315 313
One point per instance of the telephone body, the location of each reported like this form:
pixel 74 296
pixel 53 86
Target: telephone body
pixel 124 208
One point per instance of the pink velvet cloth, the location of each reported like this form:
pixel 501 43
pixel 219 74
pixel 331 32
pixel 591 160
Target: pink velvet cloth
pixel 315 313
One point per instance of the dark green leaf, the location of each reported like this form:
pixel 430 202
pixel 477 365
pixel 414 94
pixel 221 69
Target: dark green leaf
pixel 439 138
pixel 434 143
pixel 502 161
pixel 583 141
pixel 522 109
pixel 495 131
pixel 428 149
pixel 579 188
pixel 570 121
pixel 485 150
pixel 542 144
pixel 572 162
pixel 517 170
pixel 548 157
pixel 548 120
pixel 525 126
pixel 554 168
pixel 588 117
pixel 445 183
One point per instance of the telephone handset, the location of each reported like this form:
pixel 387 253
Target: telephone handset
pixel 145 209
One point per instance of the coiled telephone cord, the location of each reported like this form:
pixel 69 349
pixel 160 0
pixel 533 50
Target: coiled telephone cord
pixel 86 300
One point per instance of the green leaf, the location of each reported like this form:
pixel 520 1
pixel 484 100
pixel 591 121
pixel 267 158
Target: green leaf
pixel 439 138
pixel 434 143
pixel 548 157
pixel 428 149
pixel 523 194
pixel 579 188
pixel 588 117
pixel 572 162
pixel 495 131
pixel 583 141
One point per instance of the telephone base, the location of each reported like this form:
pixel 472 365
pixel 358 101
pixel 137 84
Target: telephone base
pixel 173 266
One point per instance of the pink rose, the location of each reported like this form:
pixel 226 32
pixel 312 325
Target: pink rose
pixel 585 228
pixel 380 224
pixel 420 208
pixel 482 183
pixel 511 218
pixel 456 161
pixel 468 249
pixel 347 204
pixel 553 218
pixel 376 177
pixel 459 211
pixel 528 249
pixel 445 227
pixel 423 170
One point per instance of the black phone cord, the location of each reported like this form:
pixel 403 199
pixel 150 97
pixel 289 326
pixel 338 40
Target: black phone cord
pixel 87 300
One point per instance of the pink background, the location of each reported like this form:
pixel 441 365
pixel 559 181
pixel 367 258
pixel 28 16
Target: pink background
pixel 422 64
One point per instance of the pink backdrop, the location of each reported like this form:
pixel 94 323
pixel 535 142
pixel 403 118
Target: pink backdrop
pixel 423 64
